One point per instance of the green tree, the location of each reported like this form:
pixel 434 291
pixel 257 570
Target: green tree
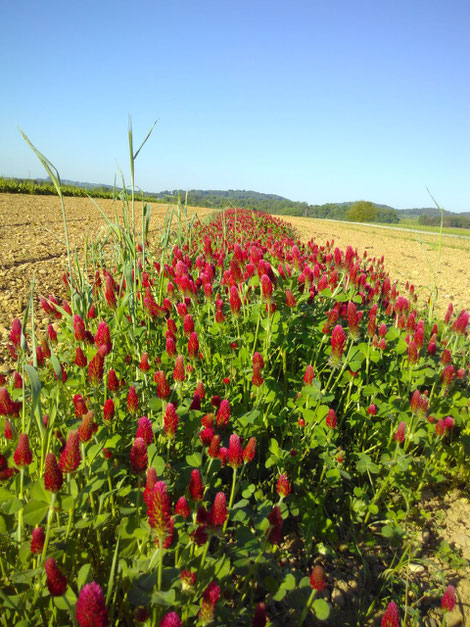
pixel 362 211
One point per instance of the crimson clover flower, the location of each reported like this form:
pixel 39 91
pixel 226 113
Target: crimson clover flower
pixel 91 610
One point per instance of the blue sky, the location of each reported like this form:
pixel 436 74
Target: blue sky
pixel 315 101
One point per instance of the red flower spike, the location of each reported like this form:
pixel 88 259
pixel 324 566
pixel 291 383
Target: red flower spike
pixel 7 406
pixel 103 338
pixel 249 451
pixel 212 593
pixel 372 410
pixel 400 432
pixel 283 487
pixel 150 482
pixel 415 401
pixel 448 375
pixel 159 510
pixel 235 452
pixel 391 618
pixel 223 455
pixel 274 531
pixel 91 610
pixel 170 421
pixel 235 302
pixel 338 340
pixel 71 457
pixel 331 419
pixel 448 422
pixel 8 433
pixel 210 598
pixel 412 353
pixel 23 455
pixel 144 365
pixel 144 430
pixel 188 579
pixel 113 383
pixel 258 363
pixel 182 507
pixel 354 318
pixel 171 619
pixel 207 420
pixel 17 381
pixel 223 414
pixel 206 436
pixel 87 427
pixel 290 299
pixel 108 410
pixel 178 372
pixel 461 324
pixel 448 599
pixel 260 618
pixel 96 368
pixel 193 345
pixel 37 540
pixel 267 287
pixel 196 402
pixel 109 292
pixel 40 357
pixel 170 346
pixel 218 513
pixel 80 359
pixel 188 324
pixel 196 488
pixel 449 312
pixel 214 446
pixel 138 455
pixel 132 400
pixel 15 333
pixel 79 328
pixel 53 477
pixel 56 580
pixel 309 375
pixel 163 389
pixel 317 579
pixel 200 390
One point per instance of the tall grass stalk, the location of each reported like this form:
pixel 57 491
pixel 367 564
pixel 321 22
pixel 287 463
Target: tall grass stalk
pixel 435 290
pixel 55 178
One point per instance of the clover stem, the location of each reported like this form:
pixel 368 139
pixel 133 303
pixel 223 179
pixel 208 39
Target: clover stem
pixel 48 526
pixel 307 607
pixel 160 565
pixel 232 495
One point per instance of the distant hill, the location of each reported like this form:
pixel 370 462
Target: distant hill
pixel 430 211
pixel 249 199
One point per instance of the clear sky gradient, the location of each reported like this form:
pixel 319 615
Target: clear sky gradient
pixel 312 100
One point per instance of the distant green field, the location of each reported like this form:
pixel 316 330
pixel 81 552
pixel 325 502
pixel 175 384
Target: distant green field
pixel 409 223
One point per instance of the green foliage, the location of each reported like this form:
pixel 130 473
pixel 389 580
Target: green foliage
pixel 455 221
pixel 362 211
